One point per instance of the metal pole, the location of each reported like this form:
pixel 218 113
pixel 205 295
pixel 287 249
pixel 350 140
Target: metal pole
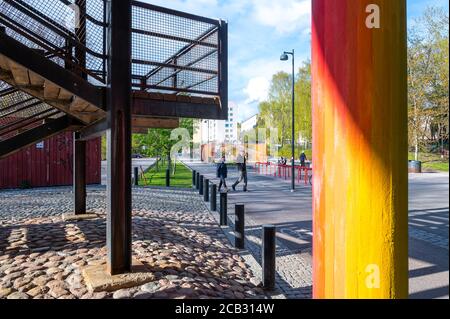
pixel 197 181
pixel 223 209
pixel 79 174
pixel 200 189
pixel 213 202
pixel 268 257
pixel 194 173
pixel 168 177
pixel 136 176
pixel 293 123
pixel 239 224
pixel 206 190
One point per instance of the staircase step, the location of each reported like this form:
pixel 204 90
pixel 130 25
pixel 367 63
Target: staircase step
pixel 51 91
pixel 4 63
pixel 20 74
pixel 65 95
pixel 78 105
pixel 36 80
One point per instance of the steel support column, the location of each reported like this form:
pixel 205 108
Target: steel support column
pixel 119 137
pixel 79 175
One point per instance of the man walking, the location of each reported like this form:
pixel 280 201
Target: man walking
pixel 242 167
pixel 303 159
pixel 222 173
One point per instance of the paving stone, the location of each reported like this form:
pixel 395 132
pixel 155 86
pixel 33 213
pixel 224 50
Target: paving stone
pixel 173 233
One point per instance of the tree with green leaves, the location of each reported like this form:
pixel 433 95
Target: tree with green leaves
pixel 276 111
pixel 158 142
pixel 428 81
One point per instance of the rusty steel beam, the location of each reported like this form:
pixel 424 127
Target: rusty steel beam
pixel 118 239
pixel 151 122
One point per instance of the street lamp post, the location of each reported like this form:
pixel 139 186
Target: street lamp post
pixel 285 57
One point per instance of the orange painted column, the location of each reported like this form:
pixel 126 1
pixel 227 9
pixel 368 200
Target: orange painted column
pixel 360 186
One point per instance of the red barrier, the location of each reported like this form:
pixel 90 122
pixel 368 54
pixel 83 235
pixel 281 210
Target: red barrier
pixel 283 171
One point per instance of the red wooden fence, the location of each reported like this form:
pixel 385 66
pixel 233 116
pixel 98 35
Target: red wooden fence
pixel 49 164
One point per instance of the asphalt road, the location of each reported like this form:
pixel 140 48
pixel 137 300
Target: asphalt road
pixel 271 202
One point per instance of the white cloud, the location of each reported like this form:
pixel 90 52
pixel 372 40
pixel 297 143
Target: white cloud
pixel 257 89
pixel 285 16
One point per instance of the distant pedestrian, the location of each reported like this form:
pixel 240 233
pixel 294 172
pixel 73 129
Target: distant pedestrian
pixel 303 159
pixel 222 173
pixel 242 167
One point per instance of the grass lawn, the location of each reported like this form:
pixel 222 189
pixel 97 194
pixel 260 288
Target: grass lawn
pixel 431 162
pixel 182 177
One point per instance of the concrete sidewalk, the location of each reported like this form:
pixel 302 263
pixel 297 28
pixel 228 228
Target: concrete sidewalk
pixel 269 201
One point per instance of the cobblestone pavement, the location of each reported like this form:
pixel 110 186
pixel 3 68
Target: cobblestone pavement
pixel 41 256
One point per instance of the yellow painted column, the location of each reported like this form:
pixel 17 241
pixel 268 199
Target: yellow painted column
pixel 360 187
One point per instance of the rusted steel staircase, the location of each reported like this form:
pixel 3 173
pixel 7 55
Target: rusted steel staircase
pixel 31 72
pixel 53 76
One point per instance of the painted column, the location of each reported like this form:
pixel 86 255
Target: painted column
pixel 360 187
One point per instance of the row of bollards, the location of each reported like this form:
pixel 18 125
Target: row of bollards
pixel 209 193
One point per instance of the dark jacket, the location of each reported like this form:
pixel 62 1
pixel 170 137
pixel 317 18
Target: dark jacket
pixel 222 170
pixel 302 157
pixel 242 167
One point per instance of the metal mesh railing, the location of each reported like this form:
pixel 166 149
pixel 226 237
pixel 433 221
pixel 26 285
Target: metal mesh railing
pixel 174 52
pixel 50 25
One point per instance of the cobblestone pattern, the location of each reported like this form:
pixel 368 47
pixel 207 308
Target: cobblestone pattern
pixel 294 270
pixel 173 233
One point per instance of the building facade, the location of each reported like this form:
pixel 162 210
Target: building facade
pixel 215 131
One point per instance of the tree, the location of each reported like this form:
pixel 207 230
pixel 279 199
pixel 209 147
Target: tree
pixel 276 111
pixel 157 142
pixel 428 81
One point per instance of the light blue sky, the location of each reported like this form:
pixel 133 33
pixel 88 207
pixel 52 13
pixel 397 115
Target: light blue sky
pixel 259 30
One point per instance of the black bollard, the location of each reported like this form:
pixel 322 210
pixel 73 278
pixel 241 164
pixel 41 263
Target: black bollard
pixel 136 176
pixel 200 190
pixel 194 173
pixel 168 177
pixel 213 201
pixel 206 190
pixel 239 226
pixel 197 181
pixel 223 209
pixel 268 257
